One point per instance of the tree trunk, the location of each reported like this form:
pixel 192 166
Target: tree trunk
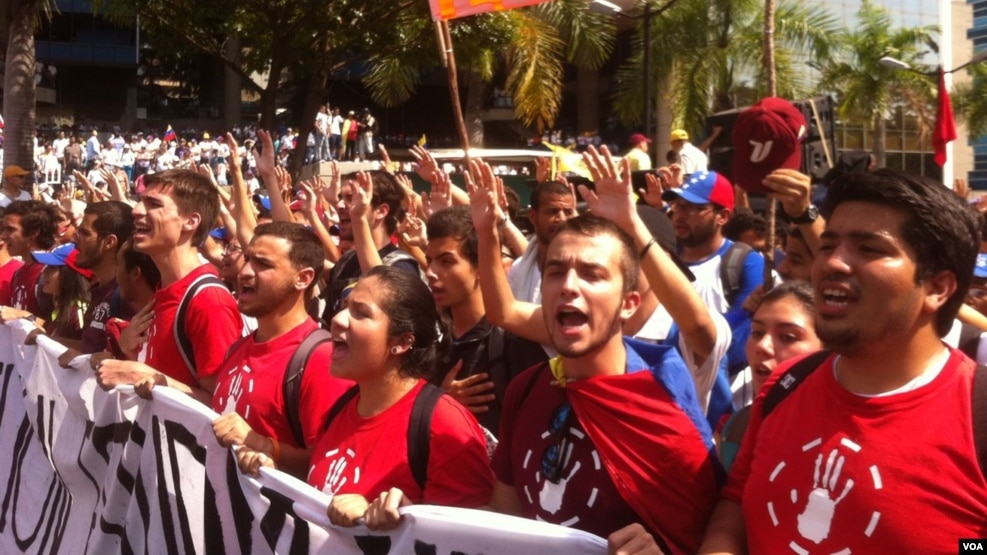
pixel 269 98
pixel 880 134
pixel 314 96
pixel 18 85
pixel 475 93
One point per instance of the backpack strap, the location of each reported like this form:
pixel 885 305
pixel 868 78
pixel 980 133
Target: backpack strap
pixel 291 385
pixel 420 431
pixel 181 334
pixel 732 267
pixel 980 416
pixel 338 406
pixel 792 378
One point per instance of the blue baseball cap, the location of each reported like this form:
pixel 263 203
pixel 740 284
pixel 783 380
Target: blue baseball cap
pixel 704 188
pixel 220 234
pixel 63 255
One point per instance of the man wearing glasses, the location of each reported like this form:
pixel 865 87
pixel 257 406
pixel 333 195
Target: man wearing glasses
pixel 699 210
pixel 15 184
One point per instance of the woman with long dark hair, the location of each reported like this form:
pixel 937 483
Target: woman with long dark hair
pixel 379 446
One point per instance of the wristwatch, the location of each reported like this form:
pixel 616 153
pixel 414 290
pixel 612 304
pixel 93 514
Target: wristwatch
pixel 811 214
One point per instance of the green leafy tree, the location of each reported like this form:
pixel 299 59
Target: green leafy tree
pixel 708 56
pixel 530 46
pixel 870 92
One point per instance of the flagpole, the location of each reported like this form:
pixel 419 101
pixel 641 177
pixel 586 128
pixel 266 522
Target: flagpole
pixel 449 57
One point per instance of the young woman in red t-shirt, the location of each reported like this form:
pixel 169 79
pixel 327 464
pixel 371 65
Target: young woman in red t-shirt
pixel 388 340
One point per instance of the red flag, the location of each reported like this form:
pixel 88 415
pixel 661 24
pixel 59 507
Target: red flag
pixel 945 129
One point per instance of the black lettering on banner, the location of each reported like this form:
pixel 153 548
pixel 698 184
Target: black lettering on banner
pixel 422 548
pixel 972 545
pixel 54 499
pixel 373 545
pixel 8 372
pixel 100 439
pixel 274 520
pixel 176 434
pixel 243 518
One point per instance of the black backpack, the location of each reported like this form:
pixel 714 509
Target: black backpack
pixel 178 326
pixel 801 370
pixel 419 428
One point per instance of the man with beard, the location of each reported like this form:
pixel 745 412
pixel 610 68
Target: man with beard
pixel 607 437
pixel 279 273
pixel 699 210
pixel 377 196
pixel 552 203
pixel 104 228
pixel 873 447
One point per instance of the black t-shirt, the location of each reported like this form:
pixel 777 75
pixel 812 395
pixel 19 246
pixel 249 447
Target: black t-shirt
pixel 485 348
pixel 347 272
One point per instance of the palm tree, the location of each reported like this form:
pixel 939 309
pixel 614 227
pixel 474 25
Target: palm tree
pixel 707 51
pixel 868 91
pixel 21 19
pixel 531 45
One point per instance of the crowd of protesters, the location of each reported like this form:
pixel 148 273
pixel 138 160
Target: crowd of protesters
pixel 600 372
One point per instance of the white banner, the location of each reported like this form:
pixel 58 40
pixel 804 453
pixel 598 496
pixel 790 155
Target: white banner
pixel 86 471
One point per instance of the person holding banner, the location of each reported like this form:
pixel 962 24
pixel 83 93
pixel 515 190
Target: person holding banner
pixel 608 437
pixel 379 445
pixel 171 221
pixel 279 273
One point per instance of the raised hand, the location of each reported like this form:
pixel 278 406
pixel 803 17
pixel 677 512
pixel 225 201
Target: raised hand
pixel 413 232
pixel 265 158
pixel 234 160
pixel 425 164
pixel 331 193
pixel 362 194
pixel 612 198
pixel 654 188
pixel 792 188
pixel 543 168
pixel 440 196
pixel 484 195
pixel 308 196
pixel 385 158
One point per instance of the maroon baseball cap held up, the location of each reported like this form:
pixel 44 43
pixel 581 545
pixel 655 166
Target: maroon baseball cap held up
pixel 766 137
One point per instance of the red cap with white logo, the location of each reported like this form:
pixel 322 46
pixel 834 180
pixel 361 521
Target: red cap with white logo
pixel 766 137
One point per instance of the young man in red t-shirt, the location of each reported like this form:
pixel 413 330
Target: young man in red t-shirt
pixel 28 225
pixel 279 274
pixel 171 221
pixel 873 452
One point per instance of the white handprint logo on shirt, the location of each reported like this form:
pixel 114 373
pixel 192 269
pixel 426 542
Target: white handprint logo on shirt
pixel 234 393
pixel 551 494
pixel 815 521
pixel 340 471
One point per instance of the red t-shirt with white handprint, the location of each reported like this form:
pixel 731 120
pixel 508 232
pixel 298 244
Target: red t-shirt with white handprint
pixel 251 384
pixel 368 456
pixel 829 471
